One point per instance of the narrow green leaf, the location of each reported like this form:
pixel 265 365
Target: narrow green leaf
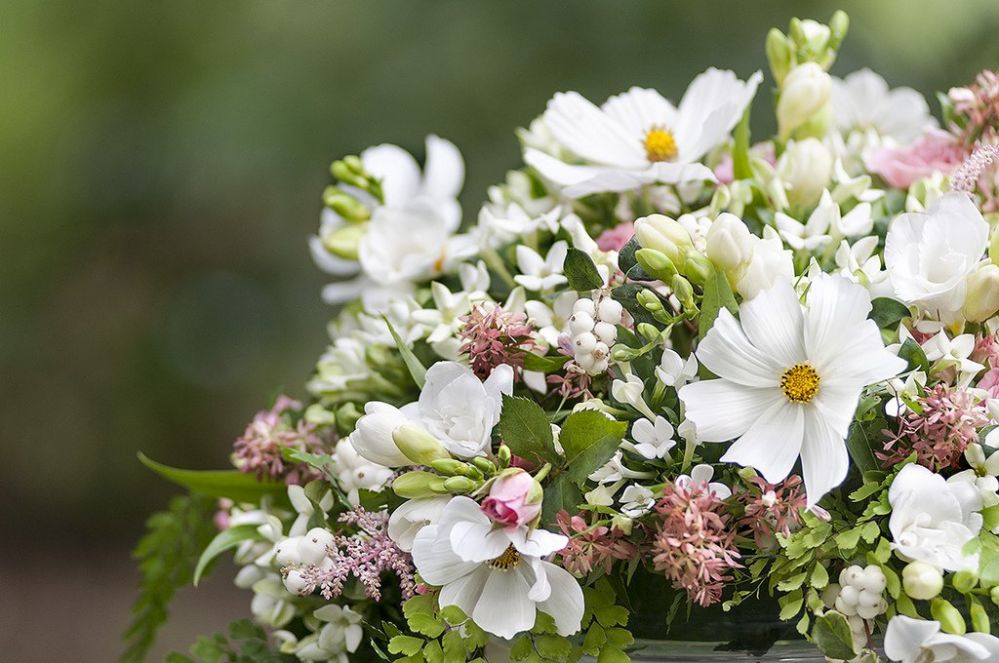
pixel 235 485
pixel 589 440
pixel 581 272
pixel 416 369
pixel 525 428
pixel 225 540
pixel 533 362
pixel 717 295
pixel 741 169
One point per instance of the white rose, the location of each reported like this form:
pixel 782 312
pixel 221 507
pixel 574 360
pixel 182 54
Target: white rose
pixel 929 256
pixel 932 518
pixel 372 436
pixel 459 409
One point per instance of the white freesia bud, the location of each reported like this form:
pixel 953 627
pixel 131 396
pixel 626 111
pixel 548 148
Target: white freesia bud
pixel 805 167
pixel 982 300
pixel 418 445
pixel 728 243
pixel 804 98
pixel 922 581
pixel 372 437
pixel 665 235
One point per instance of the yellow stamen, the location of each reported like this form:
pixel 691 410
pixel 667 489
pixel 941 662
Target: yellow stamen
pixel 660 145
pixel 509 559
pixel 800 383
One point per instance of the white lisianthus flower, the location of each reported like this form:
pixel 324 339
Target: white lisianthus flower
pixel 909 640
pixel 930 255
pixel 933 518
pixel 497 574
pixel 863 101
pixel 638 137
pixel 790 380
pixel 412 516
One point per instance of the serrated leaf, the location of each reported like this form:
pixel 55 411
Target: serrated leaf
pixel 794 582
pixel 521 648
pixel 580 271
pixel 864 492
pixel 717 295
pixel 887 312
pixel 561 494
pixel 525 428
pixel 226 539
pixel 433 653
pixel 589 439
pixel 453 615
pixel 405 644
pixel 413 365
pixel 612 655
pixel 233 484
pixel 553 646
pixel 620 637
pixel 427 625
pixel 790 604
pixel 832 635
pixel 454 647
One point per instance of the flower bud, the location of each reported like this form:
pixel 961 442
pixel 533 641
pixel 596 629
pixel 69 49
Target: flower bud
pixel 805 167
pixel 980 621
pixel 344 242
pixel 373 437
pixel 647 331
pixel 683 291
pixel 319 416
pixel 451 467
pixel 513 499
pixel 994 595
pixel 839 24
pixel 982 299
pixel 697 267
pixel 921 581
pixel 994 246
pixel 811 36
pixel 964 581
pixel 665 235
pixel 346 205
pixel 804 95
pixel 728 243
pixel 460 485
pixel 503 455
pixel 345 171
pixel 778 54
pixel 656 263
pixel 949 617
pixel 623 523
pixel 414 485
pixel 484 465
pixel 418 445
pixel 649 301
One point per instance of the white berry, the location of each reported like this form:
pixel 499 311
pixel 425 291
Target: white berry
pixel 586 306
pixel 580 322
pixel 584 343
pixel 312 547
pixel 610 310
pixel 606 332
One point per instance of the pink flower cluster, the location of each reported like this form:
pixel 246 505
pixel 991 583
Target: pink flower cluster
pixel 772 509
pixel 947 423
pixel 615 238
pixel 978 106
pixel 365 555
pixel 591 547
pixel 694 546
pixel 901 166
pixel 493 336
pixel 259 450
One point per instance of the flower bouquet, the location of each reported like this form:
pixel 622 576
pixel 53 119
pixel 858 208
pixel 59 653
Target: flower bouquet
pixel 670 384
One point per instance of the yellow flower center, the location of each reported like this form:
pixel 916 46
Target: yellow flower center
pixel 509 559
pixel 800 383
pixel 659 145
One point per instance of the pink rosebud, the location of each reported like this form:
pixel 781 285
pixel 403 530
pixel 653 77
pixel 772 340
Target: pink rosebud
pixel 990 382
pixel 901 166
pixel 507 501
pixel 615 238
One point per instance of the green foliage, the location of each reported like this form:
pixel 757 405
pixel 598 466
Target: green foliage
pixel 525 428
pixel 166 555
pixel 832 635
pixel 533 362
pixel 914 354
pixel 741 168
pixel 717 295
pixel 246 643
pixel 233 484
pixel 224 540
pixel 887 313
pixel 581 272
pixel 416 369
pixel 438 635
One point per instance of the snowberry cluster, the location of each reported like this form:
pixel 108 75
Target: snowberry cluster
pixel 593 329
pixel 310 549
pixel 861 592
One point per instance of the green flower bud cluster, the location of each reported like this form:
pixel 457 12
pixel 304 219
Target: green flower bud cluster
pixel 806 41
pixel 349 171
pixel 449 476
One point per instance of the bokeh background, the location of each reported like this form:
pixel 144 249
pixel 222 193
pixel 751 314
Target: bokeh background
pixel 160 170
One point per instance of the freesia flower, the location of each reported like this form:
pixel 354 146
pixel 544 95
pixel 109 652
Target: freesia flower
pixel 790 380
pixel 933 518
pixel 638 137
pixel 929 256
pixel 768 264
pixel 909 640
pixel 863 101
pixel 497 574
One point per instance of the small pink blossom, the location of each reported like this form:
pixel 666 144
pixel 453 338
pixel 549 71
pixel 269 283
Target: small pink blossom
pixel 615 238
pixel 591 547
pixel 935 151
pixel 260 449
pixel 492 336
pixel 772 509
pixel 990 382
pixel 507 502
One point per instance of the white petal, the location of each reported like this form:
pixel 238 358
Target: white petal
pixel 772 443
pixel 590 133
pixel 538 543
pixel 905 635
pixel 344 291
pixel 773 322
pixel 641 109
pixel 557 170
pixel 465 591
pixel 824 460
pixel 477 542
pixel 728 353
pixel 722 410
pixel 836 307
pixel 565 604
pixel 837 405
pixel 444 171
pixel 398 170
pixel 503 608
pixel 435 560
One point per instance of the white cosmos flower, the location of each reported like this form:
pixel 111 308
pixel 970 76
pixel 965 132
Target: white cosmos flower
pixel 638 137
pixel 932 518
pixel 909 640
pixel 930 255
pixel 496 574
pixel 790 380
pixel 537 273
pixel 862 101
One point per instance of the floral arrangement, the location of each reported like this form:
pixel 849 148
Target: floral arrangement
pixel 665 374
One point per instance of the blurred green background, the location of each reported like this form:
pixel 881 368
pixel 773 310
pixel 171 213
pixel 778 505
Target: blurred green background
pixel 161 169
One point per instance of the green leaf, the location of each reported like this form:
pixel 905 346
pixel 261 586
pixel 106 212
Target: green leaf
pixel 990 517
pixel 553 646
pixel 321 462
pixel 525 428
pixel 416 369
pixel 533 362
pixel 628 264
pixel 741 169
pixel 988 570
pixel 166 555
pixel 790 604
pixel 561 494
pixel 860 447
pixel 581 272
pixel 454 648
pixel 589 440
pixel 612 655
pixel 225 540
pixel 820 577
pixel 405 644
pixel 717 295
pixel 914 354
pixel 235 485
pixel 887 312
pixel 832 635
